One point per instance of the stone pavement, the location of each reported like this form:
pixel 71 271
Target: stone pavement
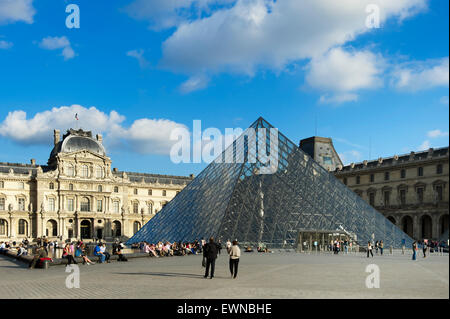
pixel 276 275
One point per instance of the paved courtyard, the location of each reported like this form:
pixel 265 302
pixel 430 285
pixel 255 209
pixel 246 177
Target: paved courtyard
pixel 276 275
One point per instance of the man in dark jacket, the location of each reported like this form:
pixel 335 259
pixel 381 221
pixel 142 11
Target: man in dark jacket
pixel 210 252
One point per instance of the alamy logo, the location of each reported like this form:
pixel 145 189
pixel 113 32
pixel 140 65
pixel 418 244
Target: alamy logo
pixel 254 145
pixel 373 279
pixel 73 19
pixel 373 19
pixel 73 279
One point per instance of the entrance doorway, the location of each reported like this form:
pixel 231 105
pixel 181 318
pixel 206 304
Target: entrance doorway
pixel 85 229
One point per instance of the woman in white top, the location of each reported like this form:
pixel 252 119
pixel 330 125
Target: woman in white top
pixel 235 253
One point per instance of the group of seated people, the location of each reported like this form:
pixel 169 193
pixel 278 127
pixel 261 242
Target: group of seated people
pixel 5 246
pixel 262 248
pixel 170 249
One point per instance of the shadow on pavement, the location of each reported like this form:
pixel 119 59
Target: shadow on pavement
pixel 160 274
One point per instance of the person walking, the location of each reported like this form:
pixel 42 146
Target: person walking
pixel 210 252
pixel 228 246
pixel 414 247
pixel 235 254
pixel 369 249
pixel 424 248
pixel 381 245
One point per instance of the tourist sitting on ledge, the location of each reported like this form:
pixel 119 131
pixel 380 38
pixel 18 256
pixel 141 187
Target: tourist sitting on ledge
pixel 249 249
pixel 117 250
pixel 40 253
pixel 98 252
pixel 21 251
pixel 3 247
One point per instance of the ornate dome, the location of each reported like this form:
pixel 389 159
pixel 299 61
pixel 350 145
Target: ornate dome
pixel 79 140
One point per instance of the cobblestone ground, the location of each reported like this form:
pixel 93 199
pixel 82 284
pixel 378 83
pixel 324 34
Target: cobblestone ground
pixel 276 275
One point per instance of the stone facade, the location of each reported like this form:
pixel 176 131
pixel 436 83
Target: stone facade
pixel 410 190
pixel 78 195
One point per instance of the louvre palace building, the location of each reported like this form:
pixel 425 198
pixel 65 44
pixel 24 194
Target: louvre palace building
pixel 410 190
pixel 79 195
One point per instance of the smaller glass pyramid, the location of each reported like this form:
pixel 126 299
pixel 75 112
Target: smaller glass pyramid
pixel 256 195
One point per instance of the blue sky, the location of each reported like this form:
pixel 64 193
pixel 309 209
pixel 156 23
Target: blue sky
pixel 136 69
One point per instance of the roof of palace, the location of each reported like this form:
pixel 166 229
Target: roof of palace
pixel 77 140
pixel 432 153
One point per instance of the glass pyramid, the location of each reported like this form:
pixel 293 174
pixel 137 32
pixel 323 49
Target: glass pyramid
pixel 235 198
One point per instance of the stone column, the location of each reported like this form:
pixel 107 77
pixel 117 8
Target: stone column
pixel 417 231
pixel 435 226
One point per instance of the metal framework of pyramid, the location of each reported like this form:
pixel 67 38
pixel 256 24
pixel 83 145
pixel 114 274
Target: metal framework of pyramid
pixel 233 200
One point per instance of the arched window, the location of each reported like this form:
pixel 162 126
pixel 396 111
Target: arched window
pixel 100 188
pixel 3 227
pixel 136 227
pixel 2 204
pixel 70 187
pixel 164 193
pixel 116 189
pixel 85 205
pixel 23 227
pixel 84 171
pixel 51 186
pixel 52 229
pixel 116 229
pixel 135 191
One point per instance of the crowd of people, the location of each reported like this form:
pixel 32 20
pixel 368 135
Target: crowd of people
pixel 167 249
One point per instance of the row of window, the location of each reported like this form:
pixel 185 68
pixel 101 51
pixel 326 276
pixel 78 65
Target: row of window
pixel 116 189
pixel 84 172
pixel 22 227
pixel 85 205
pixel 51 186
pixel 439 195
pixel 20 185
pixel 387 176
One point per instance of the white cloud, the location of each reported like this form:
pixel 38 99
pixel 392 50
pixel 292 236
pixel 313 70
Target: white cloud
pixel 271 34
pixel 421 75
pixel 424 146
pixel 342 72
pixel 194 83
pixel 139 56
pixel 16 10
pixel 437 134
pixel 145 136
pixel 54 43
pixel 351 156
pixel 163 14
pixel 5 44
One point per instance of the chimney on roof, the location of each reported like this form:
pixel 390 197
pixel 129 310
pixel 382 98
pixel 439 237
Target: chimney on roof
pixel 100 138
pixel 115 170
pixel 192 176
pixel 33 162
pixel 56 136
